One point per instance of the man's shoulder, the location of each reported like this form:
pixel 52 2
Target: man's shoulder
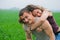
pixel 25 26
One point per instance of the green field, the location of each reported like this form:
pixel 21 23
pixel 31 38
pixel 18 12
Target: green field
pixel 10 29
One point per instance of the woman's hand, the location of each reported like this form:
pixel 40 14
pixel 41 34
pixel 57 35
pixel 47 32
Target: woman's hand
pixel 38 29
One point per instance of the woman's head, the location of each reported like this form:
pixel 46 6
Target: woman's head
pixel 36 10
pixel 25 16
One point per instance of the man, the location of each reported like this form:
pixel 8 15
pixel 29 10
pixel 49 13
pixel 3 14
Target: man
pixel 44 14
pixel 28 19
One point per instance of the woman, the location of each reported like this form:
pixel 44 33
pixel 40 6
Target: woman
pixel 44 15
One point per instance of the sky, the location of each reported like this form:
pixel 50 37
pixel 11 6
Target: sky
pixel 49 4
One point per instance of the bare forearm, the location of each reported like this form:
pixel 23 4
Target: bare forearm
pixel 28 36
pixel 28 39
pixel 35 25
pixel 52 38
pixel 49 31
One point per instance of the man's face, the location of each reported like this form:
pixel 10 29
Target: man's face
pixel 27 18
pixel 37 12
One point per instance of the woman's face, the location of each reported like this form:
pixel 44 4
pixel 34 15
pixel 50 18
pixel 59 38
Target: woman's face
pixel 37 12
pixel 27 18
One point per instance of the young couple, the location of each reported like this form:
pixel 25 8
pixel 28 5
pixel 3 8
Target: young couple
pixel 39 22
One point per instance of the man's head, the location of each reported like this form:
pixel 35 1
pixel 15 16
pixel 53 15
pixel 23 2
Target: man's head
pixel 26 16
pixel 36 10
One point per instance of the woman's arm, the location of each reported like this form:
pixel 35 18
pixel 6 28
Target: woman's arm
pixel 44 16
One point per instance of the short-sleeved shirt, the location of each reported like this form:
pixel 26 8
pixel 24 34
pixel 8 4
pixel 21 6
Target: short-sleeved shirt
pixel 53 23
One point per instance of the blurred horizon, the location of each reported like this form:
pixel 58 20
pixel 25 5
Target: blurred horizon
pixel 52 5
pixel 17 9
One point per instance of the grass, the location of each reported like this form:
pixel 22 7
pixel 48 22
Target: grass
pixel 10 29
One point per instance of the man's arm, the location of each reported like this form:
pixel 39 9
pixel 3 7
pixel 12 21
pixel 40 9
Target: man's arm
pixel 48 29
pixel 27 31
pixel 28 36
pixel 44 16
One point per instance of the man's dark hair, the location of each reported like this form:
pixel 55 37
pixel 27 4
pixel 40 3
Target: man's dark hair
pixel 21 13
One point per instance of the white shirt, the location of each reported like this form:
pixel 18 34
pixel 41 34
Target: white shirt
pixel 39 35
